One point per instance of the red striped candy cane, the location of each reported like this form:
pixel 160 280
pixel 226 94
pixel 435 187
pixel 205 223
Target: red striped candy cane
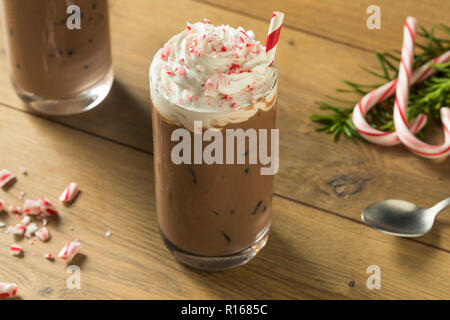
pixel 69 193
pixel 401 102
pixel 47 208
pixel 69 251
pixel 43 234
pixel 273 35
pixel 6 177
pixel 15 250
pixel 382 93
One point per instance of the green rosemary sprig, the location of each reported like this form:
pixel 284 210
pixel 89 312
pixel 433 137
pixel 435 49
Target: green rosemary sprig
pixel 426 97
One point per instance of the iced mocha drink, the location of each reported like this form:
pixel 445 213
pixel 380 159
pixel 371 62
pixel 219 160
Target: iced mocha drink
pixel 212 215
pixel 58 70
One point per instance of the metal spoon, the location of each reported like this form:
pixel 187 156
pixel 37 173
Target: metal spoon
pixel 402 218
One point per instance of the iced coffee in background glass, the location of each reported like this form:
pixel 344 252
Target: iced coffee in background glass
pixel 54 69
pixel 212 216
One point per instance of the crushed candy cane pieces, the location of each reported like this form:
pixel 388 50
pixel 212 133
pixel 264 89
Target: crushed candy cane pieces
pixel 108 234
pixel 49 256
pixel 46 207
pixel 32 207
pixel 7 290
pixel 69 251
pixel 15 209
pixel 15 250
pixel 69 193
pixel 2 224
pixel 23 171
pixel 6 177
pixel 30 230
pixel 2 205
pixel 26 220
pixel 43 234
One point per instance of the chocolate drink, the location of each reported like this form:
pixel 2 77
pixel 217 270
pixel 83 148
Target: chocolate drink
pixel 212 216
pixel 49 61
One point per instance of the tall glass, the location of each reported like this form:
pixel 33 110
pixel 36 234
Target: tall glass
pixel 211 216
pixel 55 67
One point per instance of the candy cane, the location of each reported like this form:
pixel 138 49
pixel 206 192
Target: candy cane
pixel 273 35
pixel 15 209
pixel 32 207
pixel 382 93
pixel 6 177
pixel 2 205
pixel 26 220
pixel 8 290
pixel 69 250
pixel 49 256
pixel 401 103
pixel 69 193
pixel 43 234
pixel 17 229
pixel 30 230
pixel 46 207
pixel 15 250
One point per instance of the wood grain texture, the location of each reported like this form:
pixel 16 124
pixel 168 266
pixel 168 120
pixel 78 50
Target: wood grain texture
pixel 311 254
pixel 345 21
pixel 342 178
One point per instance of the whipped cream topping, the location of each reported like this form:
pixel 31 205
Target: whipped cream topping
pixel 208 68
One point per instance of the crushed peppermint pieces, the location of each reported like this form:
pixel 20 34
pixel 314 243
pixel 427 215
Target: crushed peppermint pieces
pixel 46 207
pixel 40 209
pixel 108 234
pixel 69 194
pixel 30 230
pixel 15 250
pixel 8 290
pixel 32 207
pixel 49 256
pixel 15 209
pixel 17 229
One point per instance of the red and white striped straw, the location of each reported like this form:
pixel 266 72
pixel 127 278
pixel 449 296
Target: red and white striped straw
pixel 273 35
pixel 401 102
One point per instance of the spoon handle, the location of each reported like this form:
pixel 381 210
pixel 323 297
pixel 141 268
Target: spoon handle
pixel 440 206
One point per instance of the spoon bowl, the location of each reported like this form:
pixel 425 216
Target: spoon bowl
pixel 402 218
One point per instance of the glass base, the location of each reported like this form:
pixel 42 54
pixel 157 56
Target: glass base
pixel 84 102
pixel 217 263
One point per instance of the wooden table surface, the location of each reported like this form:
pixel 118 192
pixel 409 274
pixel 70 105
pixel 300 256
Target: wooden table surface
pixel 318 246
